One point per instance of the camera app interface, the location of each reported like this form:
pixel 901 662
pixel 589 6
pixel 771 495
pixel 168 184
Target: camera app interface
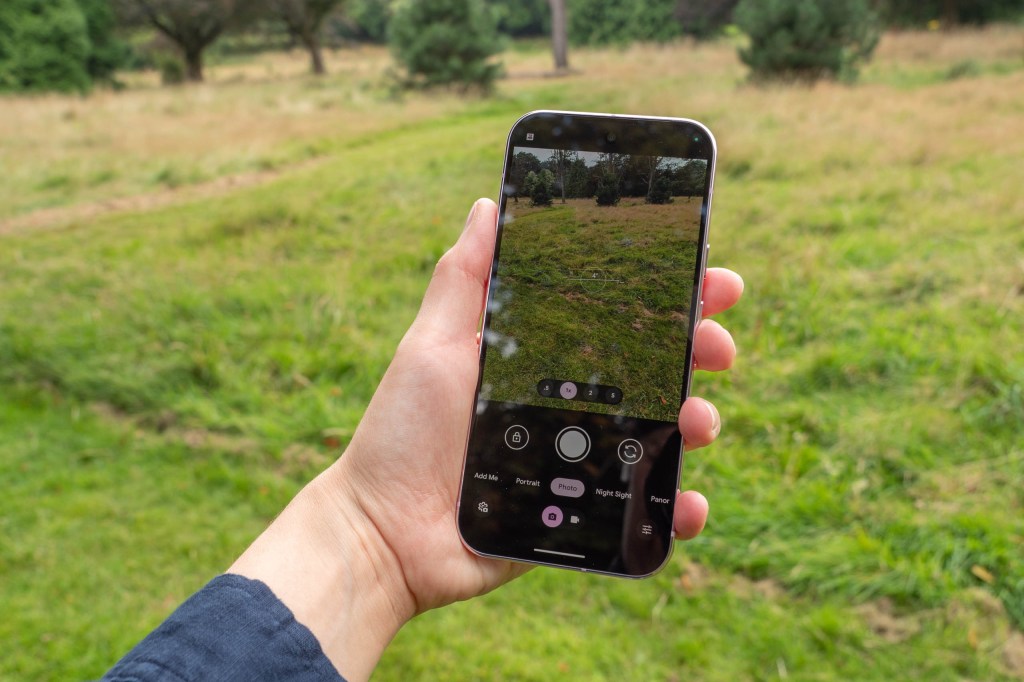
pixel 585 359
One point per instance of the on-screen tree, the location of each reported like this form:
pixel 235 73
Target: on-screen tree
pixel 540 186
pixel 192 25
pixel 661 191
pixel 560 162
pixel 523 163
pixel 608 170
pixel 303 20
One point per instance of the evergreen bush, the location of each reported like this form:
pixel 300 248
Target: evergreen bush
pixel 445 43
pixel 541 187
pixel 607 189
pixel 807 39
pixel 661 191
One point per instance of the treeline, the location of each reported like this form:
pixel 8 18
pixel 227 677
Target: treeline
pixel 598 22
pixel 71 44
pixel 565 175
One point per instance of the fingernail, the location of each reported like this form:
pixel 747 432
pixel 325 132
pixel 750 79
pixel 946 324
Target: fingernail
pixel 469 218
pixel 716 420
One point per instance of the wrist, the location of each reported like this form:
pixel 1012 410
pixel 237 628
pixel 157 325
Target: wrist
pixel 324 558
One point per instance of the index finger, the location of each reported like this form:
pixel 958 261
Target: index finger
pixel 722 288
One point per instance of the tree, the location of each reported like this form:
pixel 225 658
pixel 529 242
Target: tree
pixel 704 18
pixel 661 191
pixel 44 45
pixel 365 20
pixel 559 37
pixel 951 12
pixel 106 52
pixel 523 163
pixel 600 22
pixel 690 178
pixel 192 25
pixel 560 161
pixel 807 39
pixel 522 18
pixel 303 19
pixel 539 186
pixel 577 180
pixel 607 189
pixel 445 42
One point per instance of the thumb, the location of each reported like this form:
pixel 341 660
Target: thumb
pixel 455 297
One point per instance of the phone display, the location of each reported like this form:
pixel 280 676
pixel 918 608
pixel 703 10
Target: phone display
pixel 574 451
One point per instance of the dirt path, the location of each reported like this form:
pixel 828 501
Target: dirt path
pixel 62 216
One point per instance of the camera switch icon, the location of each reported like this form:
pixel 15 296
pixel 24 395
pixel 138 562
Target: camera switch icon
pixel 630 451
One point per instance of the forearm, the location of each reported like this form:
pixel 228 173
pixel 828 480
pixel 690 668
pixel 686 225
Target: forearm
pixel 323 558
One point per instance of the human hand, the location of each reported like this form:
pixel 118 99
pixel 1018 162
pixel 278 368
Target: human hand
pixel 386 510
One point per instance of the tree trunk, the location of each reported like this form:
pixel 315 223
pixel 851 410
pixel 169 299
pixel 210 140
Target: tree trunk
pixel 194 65
pixel 559 35
pixel 316 57
pixel 950 14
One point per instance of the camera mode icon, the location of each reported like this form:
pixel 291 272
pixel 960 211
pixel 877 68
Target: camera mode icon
pixel 552 516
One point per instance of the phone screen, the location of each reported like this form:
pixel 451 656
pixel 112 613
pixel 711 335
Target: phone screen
pixel 574 451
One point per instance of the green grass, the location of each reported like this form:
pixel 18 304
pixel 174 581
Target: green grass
pixel 171 375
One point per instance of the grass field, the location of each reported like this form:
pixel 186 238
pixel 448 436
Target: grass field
pixel 200 288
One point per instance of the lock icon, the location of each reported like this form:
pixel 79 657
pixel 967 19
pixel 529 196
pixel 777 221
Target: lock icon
pixel 516 437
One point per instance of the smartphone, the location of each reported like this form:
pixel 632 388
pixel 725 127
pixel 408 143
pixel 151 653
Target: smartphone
pixel 574 452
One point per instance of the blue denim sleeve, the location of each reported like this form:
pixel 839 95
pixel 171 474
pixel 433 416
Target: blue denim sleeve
pixel 232 629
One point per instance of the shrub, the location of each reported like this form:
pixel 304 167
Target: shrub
pixel 607 189
pixel 44 45
pixel 807 39
pixel 172 69
pixel 540 186
pixel 445 42
pixel 661 191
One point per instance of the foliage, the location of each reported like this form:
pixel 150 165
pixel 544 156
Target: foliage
pixel 807 39
pixel 661 191
pixel 539 186
pixel 704 18
pixel 171 67
pixel 192 25
pixel 522 18
pixel 362 20
pixel 908 13
pixel 44 45
pixel 602 22
pixel 445 42
pixel 106 52
pixel 607 191
pixel 304 19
